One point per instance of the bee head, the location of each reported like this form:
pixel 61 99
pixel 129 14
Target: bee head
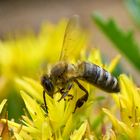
pixel 47 85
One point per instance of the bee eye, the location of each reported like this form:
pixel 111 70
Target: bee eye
pixel 47 84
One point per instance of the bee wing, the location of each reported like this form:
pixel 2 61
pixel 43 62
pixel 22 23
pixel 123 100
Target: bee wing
pixel 74 40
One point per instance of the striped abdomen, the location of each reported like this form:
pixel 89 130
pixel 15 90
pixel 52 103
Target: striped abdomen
pixel 99 77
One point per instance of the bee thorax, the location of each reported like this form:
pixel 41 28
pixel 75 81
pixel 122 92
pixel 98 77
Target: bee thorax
pixel 58 70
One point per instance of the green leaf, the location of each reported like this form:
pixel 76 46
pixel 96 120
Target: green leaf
pixel 124 41
pixel 133 7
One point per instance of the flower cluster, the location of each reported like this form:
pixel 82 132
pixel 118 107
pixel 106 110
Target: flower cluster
pixel 127 101
pixel 91 121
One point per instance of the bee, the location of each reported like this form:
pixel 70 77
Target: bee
pixel 63 75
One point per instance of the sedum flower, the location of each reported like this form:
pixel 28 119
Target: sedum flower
pixel 25 55
pixel 60 122
pixel 29 55
pixel 5 132
pixel 128 125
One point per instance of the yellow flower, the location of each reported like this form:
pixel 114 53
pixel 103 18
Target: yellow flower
pixel 28 54
pixel 5 133
pixel 60 122
pixel 128 102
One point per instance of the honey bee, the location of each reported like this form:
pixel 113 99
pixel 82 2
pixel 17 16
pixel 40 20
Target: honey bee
pixel 64 74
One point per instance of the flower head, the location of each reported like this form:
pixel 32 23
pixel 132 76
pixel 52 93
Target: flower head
pixel 128 103
pixel 29 54
pixel 60 121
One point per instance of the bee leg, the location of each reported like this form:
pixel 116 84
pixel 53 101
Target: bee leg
pixel 70 97
pixel 83 99
pixel 65 93
pixel 59 90
pixel 44 98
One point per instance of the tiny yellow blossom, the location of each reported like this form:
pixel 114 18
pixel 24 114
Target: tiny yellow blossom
pixel 128 103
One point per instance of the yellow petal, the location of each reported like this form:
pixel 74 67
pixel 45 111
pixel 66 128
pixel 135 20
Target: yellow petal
pixel 110 135
pixel 68 127
pixel 34 109
pixel 2 104
pixel 13 125
pixel 29 87
pixel 78 134
pixel 52 37
pixel 114 63
pixel 46 131
pixel 55 111
pixel 18 137
pixel 95 57
pixel 119 126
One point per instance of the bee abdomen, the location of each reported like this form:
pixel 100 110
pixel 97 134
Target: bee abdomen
pixel 99 77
